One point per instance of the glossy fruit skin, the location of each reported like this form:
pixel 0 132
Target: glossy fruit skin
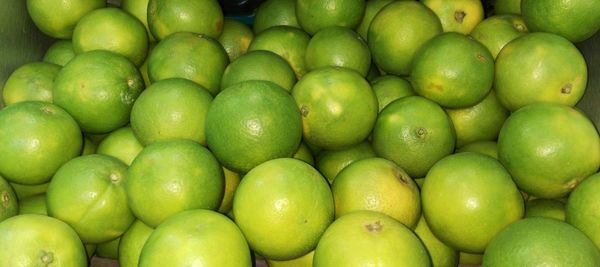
pixel 496 31
pixel 457 16
pixel 58 18
pixel 9 205
pixel 541 241
pixel 38 239
pixel 539 67
pixel 549 148
pixel 283 206
pixel 252 122
pixel 30 82
pixel 331 162
pixel 88 194
pixel 453 70
pixel 166 17
pixel 132 242
pixel 440 254
pixel 475 188
pixel 369 238
pixel 39 135
pixel 275 13
pixel 314 15
pixel 259 65
pixel 235 38
pixel 98 88
pixel 582 209
pixel 204 237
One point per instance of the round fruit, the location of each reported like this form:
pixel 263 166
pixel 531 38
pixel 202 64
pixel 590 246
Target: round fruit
pixel 23 191
pixel 541 207
pixel 480 122
pixel 98 89
pixel 489 148
pixel 35 204
pixel 539 67
pixel 59 53
pixel 369 238
pixel 541 241
pixel 195 57
pixel 583 208
pixel 139 9
pixel 496 31
pixel 109 249
pixel 166 17
pixel 507 7
pixel 235 38
pixel 371 9
pixel 457 16
pixel 9 206
pixel 377 184
pixel 38 135
pixel 57 18
pixel 453 70
pixel 121 144
pixel 132 242
pixel 30 82
pixel 114 30
pixel 232 180
pixel 338 107
pixel 415 133
pixel 88 194
pixel 170 176
pixel 388 88
pixel 302 261
pixel 338 46
pixel 252 122
pixel 549 149
pixel 171 108
pixel 38 240
pixel 259 65
pixel 475 188
pixel 201 237
pixel 283 206
pixel 314 15
pixel 398 31
pixel 441 255
pixel 275 13
pixel 331 162
pixel 574 20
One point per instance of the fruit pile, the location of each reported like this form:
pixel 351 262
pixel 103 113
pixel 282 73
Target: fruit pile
pixel 325 133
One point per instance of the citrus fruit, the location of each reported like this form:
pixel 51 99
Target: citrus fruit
pixel 507 7
pixel 457 16
pixel 582 210
pixel 489 148
pixel 89 147
pixel 171 108
pixel 338 107
pixel 453 70
pixel 35 204
pixel 398 31
pixel 275 13
pixel 389 87
pixel 540 241
pixel 195 57
pixel 114 30
pixel 372 7
pixel 59 53
pixel 98 89
pixel 232 180
pixel 252 122
pixel 23 191
pixel 549 148
pixel 283 206
pixel 377 184
pixel 286 41
pixel 540 207
pixel 109 249
pixel 31 81
pixel 202 237
pixel 369 238
pixel 413 132
pixel 440 254
pixel 475 188
pixel 9 205
pixel 259 65
pixel 331 162
pixel 198 16
pixel 38 240
pixel 171 176
pixel 496 31
pixel 57 18
pixel 302 261
pixel 235 38
pixel 39 135
pixel 470 258
pixel 574 20
pixel 480 122
pixel 314 15
pixel 338 46
pixel 132 242
pixel 539 67
pixel 139 9
pixel 87 193
pixel 305 154
pixel 121 144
